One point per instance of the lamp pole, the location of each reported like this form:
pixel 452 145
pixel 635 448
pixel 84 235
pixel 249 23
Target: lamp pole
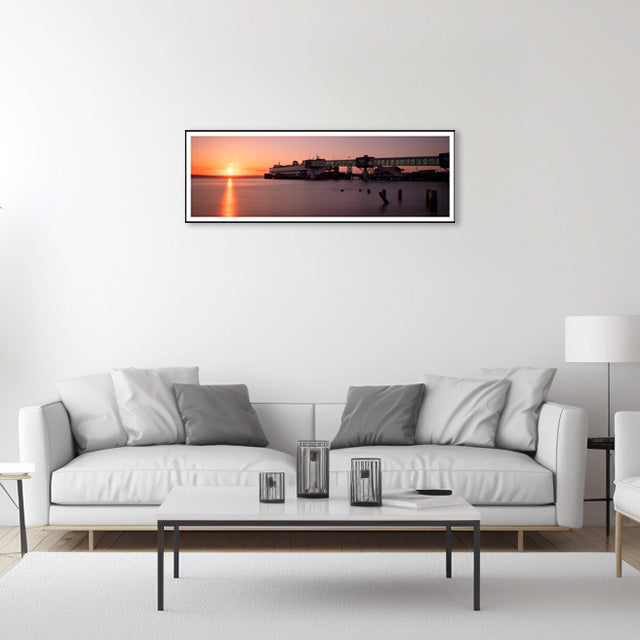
pixel 609 399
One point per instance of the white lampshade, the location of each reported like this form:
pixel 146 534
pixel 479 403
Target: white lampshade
pixel 602 339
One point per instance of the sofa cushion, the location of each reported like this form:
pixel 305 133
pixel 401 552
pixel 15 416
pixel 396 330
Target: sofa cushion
pixel 626 498
pixel 384 415
pixel 460 411
pixel 219 414
pixel 145 475
pixel 518 425
pixel 147 405
pixel 481 475
pixel 93 412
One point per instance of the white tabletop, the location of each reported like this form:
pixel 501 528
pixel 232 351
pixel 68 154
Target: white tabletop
pixel 16 468
pixel 242 504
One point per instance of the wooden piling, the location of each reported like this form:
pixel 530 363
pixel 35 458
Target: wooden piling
pixel 368 190
pixel 383 195
pixel 399 195
pixel 431 200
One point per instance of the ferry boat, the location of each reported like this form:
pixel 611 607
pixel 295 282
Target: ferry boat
pixel 295 170
pixel 305 170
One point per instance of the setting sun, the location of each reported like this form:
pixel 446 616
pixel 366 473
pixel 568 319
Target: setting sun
pixel 230 170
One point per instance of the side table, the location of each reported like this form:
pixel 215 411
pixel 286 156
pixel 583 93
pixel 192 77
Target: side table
pixel 606 444
pixel 17 471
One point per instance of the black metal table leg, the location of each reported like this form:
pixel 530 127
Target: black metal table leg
pixel 608 492
pixel 476 567
pixel 160 567
pixel 176 551
pixel 448 543
pixel 23 529
pixel 606 444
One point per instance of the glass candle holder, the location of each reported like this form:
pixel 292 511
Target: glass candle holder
pixel 365 486
pixel 272 486
pixel 313 469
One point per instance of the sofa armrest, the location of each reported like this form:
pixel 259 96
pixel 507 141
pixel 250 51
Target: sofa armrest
pixel 44 437
pixel 562 448
pixel 627 450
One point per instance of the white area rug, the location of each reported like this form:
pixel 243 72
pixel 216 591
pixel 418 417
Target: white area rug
pixel 319 595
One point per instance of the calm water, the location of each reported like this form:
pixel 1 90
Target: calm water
pixel 260 197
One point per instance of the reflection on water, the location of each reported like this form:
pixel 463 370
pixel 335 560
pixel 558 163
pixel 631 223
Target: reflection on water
pixel 257 197
pixel 228 207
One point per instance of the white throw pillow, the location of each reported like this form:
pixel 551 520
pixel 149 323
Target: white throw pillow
pixel 460 411
pixel 93 411
pixel 518 426
pixel 147 404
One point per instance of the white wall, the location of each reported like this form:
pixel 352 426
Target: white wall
pixel 98 269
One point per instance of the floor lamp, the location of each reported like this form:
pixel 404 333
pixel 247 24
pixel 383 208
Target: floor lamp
pixel 603 339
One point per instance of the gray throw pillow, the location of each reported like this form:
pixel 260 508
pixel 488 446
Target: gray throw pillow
pixel 219 414
pixel 518 426
pixel 379 416
pixel 461 411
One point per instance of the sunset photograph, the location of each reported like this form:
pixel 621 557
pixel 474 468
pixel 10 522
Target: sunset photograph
pixel 270 176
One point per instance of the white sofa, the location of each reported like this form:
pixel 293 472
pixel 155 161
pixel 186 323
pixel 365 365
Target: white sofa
pixel 122 487
pixel 626 499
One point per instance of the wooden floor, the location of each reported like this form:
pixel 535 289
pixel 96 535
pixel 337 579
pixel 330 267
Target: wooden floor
pixel 590 539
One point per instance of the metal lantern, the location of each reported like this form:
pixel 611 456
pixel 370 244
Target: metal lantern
pixel 272 486
pixel 365 486
pixel 313 469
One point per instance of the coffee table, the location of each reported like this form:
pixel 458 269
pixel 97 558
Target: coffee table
pixel 238 508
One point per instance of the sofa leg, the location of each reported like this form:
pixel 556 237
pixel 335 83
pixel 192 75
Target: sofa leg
pixel 520 539
pixel 91 540
pixel 618 544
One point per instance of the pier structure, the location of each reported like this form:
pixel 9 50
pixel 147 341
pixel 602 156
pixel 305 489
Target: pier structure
pixel 371 167
pixel 368 163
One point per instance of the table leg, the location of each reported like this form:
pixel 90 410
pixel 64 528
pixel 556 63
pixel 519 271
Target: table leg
pixel 23 529
pixel 476 567
pixel 448 543
pixel 608 493
pixel 176 551
pixel 160 567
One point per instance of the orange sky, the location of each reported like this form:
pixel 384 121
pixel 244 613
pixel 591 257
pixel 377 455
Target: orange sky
pixel 253 155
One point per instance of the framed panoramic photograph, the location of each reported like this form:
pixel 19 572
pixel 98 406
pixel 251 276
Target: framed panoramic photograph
pixel 319 176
